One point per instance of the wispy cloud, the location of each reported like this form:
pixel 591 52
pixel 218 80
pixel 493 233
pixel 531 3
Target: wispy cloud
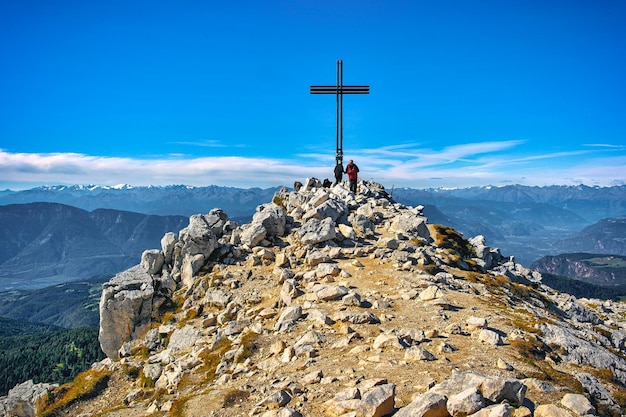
pixel 400 165
pixel 71 168
pixel 605 145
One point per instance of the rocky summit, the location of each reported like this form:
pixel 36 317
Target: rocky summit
pixel 330 303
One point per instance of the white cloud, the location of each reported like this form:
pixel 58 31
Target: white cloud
pixel 70 168
pixel 398 165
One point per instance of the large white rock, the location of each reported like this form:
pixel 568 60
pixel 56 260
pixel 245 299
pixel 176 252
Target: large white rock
pixel 168 242
pixel 428 404
pixel 126 307
pixel 465 402
pixel 152 261
pixel 272 217
pixel 316 231
pixel 379 401
pixel 183 338
pixel 26 399
pixel 411 225
pixel 578 403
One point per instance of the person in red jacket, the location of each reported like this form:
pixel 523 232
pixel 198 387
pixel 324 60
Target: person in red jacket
pixel 352 170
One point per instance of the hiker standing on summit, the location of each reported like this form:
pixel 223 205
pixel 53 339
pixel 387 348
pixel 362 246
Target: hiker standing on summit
pixel 352 170
pixel 338 172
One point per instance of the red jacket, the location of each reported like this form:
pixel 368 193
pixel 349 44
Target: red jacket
pixel 352 170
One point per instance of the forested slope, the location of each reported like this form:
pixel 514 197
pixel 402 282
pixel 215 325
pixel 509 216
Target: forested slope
pixel 56 356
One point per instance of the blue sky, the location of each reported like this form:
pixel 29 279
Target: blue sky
pixel 463 93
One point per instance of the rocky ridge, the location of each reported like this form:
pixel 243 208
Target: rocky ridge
pixel 331 303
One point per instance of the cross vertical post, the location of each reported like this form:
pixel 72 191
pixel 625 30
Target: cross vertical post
pixel 339 90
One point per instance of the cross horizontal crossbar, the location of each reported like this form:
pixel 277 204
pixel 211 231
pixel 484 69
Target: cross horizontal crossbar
pixel 342 89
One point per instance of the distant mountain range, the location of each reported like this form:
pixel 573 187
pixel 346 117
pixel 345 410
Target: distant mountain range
pixel 43 244
pixel 590 203
pixel 527 222
pixel 48 243
pixel 180 200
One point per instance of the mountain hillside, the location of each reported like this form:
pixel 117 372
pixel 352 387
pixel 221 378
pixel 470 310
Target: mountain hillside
pixel 69 305
pixel 597 269
pixel 10 327
pixel 43 244
pixel 607 236
pixel 47 356
pixel 331 303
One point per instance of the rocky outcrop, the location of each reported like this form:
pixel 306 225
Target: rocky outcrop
pixel 126 308
pixel 26 400
pixel 130 301
pixel 335 303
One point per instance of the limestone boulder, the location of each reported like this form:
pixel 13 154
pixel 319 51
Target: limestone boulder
pixel 316 231
pixel 465 403
pixel 253 234
pixel 578 403
pixel 488 257
pixel 428 404
pixel 152 261
pixel 379 401
pixel 168 243
pixel 490 337
pixel 551 410
pixel 411 225
pixel 217 220
pixel 192 263
pixel 126 308
pixel 347 231
pixel 200 237
pixel 332 208
pixel 288 318
pixel 362 225
pixel 272 217
pixel 492 388
pixel 184 338
pixel 199 230
pixel 310 184
pixel 26 399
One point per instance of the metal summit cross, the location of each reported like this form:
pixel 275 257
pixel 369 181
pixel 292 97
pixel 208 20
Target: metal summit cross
pixel 339 90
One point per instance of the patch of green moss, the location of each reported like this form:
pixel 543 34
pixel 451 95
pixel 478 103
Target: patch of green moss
pixel 531 350
pixel 211 358
pixel 178 407
pixel 144 381
pixel 85 385
pixel 448 238
pixel 279 201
